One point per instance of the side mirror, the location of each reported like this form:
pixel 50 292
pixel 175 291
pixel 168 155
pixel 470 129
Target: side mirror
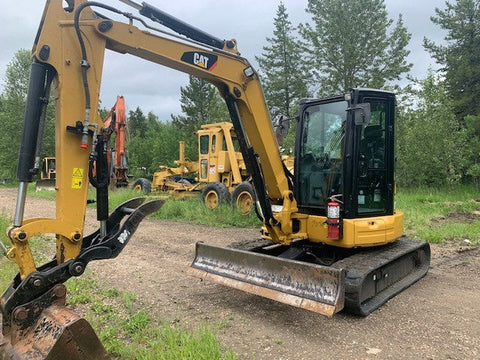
pixel 361 113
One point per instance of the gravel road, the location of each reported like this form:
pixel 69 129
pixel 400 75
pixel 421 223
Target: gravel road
pixel 436 318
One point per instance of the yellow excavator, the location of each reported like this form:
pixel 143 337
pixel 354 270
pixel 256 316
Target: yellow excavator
pixel 331 238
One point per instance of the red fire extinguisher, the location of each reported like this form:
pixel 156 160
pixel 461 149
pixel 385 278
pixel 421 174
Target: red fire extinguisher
pixel 333 219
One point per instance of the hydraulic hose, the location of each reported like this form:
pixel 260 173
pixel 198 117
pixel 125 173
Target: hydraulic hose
pixel 86 65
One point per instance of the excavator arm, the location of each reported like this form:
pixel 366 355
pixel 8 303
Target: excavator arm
pixel 68 55
pixel 69 50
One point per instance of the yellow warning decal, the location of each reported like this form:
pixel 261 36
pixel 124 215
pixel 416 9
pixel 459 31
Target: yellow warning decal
pixel 77 178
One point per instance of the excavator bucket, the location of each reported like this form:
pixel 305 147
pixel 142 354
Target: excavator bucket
pixel 309 286
pixel 56 334
pixel 35 322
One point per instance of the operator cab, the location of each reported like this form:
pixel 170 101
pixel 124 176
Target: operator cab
pixel 345 151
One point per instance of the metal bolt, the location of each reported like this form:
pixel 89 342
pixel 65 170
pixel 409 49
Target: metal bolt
pixel 77 269
pixel 20 314
pixel 37 282
pixel 60 291
pixel 22 235
pixel 76 237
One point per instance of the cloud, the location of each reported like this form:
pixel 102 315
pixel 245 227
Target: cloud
pixel 157 89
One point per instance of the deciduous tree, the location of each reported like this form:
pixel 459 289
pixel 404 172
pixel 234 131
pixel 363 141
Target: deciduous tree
pixel 12 111
pixel 429 145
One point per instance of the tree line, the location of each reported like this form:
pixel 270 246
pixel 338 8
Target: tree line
pixel 342 44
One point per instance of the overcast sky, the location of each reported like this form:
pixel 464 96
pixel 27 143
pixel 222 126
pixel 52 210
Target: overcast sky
pixel 155 88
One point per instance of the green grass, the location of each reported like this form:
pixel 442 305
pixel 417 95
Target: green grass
pixel 193 210
pixel 43 193
pixel 129 331
pixel 443 214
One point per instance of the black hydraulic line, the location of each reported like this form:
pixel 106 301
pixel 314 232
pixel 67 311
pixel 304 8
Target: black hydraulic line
pixel 102 178
pixel 43 115
pixel 33 112
pixel 251 162
pixel 179 26
pixel 85 64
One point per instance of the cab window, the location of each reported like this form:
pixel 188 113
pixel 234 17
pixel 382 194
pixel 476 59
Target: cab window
pixel 204 144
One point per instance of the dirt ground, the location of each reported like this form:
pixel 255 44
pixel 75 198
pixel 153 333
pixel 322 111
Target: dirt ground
pixel 436 318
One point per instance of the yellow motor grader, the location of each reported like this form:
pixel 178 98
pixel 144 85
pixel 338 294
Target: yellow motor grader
pixel 219 175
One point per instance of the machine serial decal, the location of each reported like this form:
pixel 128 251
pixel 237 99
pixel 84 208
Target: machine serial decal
pixel 203 60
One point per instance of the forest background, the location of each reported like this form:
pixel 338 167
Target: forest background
pixel 342 44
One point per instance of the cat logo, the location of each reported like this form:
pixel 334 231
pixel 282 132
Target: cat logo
pixel 200 60
pixel 203 60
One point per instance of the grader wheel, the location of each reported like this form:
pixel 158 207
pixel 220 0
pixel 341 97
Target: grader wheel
pixel 142 185
pixel 215 194
pixel 244 198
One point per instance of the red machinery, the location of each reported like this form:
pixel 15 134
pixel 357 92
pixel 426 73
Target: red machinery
pixel 116 122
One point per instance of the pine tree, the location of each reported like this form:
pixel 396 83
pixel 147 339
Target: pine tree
pixel 281 67
pixel 348 45
pixel 137 123
pixel 460 57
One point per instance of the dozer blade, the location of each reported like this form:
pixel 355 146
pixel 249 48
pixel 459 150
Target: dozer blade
pixel 45 185
pixel 309 286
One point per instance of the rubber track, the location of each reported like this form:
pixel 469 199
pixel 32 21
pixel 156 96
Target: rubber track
pixel 361 266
